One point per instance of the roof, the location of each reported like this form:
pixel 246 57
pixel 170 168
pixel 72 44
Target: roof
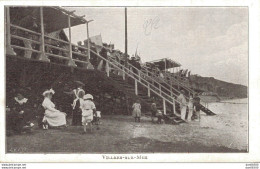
pixel 55 18
pixel 161 63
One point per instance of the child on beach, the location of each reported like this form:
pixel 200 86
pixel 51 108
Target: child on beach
pixel 154 111
pixel 159 115
pixel 190 107
pixel 88 108
pixel 137 111
pixel 96 120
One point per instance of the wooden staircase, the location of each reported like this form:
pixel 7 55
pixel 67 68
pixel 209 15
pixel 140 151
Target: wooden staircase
pixel 145 88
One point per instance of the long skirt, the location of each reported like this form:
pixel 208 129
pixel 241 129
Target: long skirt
pixel 190 114
pixel 55 119
pixel 76 119
pixel 136 113
pixel 183 112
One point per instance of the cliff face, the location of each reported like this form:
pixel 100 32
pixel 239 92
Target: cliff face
pixel 223 89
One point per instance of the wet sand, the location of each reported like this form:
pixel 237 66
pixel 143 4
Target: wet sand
pixel 120 134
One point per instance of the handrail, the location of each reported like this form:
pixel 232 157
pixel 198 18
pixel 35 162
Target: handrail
pixel 22 38
pixel 152 79
pixel 24 29
pixel 57 56
pixel 122 69
pixel 183 85
pixel 172 88
pixel 15 36
pixel 24 48
pixel 46 36
pixel 179 78
pixel 162 92
pixel 80 54
pixel 55 47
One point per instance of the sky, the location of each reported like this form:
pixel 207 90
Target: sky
pixel 209 41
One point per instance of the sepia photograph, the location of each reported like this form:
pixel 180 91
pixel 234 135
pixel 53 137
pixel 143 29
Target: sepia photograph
pixel 126 79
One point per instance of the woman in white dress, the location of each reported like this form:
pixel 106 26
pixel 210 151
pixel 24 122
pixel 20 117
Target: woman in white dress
pixel 52 116
pixel 183 104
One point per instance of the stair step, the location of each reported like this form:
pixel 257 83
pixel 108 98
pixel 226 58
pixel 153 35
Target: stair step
pixel 144 97
pixel 123 83
pixel 149 101
pixel 130 89
pixel 116 77
pixel 127 86
pixel 119 80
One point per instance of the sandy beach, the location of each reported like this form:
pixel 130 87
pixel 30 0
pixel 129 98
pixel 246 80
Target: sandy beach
pixel 225 132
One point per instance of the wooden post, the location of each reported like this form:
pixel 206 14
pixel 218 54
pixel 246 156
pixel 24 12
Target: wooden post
pixel 107 69
pixel 88 57
pixel 139 76
pixel 126 37
pixel 88 43
pixel 123 73
pixel 42 55
pixel 149 92
pixel 165 66
pixel 71 62
pixel 136 87
pixel 174 111
pixel 9 49
pixel 160 87
pixel 164 107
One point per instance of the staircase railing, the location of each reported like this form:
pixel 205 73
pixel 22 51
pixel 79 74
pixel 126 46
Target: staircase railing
pixel 170 82
pixel 141 78
pixel 179 83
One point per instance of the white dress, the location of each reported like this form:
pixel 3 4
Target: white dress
pixel 136 110
pixel 183 106
pixel 53 116
pixel 190 106
pixel 87 107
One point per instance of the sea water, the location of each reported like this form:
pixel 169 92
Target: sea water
pixel 231 120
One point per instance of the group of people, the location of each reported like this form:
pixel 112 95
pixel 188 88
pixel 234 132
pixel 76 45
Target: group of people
pixel 20 113
pixel 84 110
pixel 188 109
pixel 193 106
pixel 155 113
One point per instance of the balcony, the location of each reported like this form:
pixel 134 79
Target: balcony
pixel 37 34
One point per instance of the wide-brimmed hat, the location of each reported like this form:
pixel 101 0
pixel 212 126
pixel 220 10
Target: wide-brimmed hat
pixel 88 96
pixel 48 91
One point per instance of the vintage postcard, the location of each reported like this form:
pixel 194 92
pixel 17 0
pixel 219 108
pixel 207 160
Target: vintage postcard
pixel 129 83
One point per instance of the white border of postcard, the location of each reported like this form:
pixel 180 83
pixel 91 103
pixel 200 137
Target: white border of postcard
pixel 254 92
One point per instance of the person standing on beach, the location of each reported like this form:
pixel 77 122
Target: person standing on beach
pixel 183 104
pixel 190 107
pixel 137 111
pixel 196 104
pixel 154 111
pixel 88 109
